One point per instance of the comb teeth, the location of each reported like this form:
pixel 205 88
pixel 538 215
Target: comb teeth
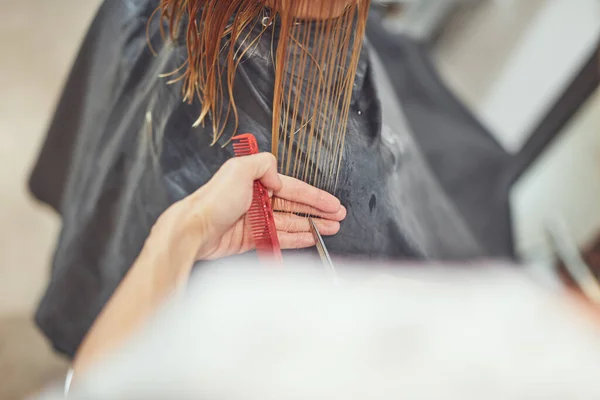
pixel 262 223
pixel 260 215
pixel 245 145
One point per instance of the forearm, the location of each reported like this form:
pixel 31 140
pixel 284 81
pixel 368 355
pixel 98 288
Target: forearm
pixel 156 274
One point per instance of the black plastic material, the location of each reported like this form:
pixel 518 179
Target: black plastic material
pixel 121 149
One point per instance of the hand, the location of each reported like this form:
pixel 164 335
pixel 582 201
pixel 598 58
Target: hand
pixel 210 223
pixel 213 219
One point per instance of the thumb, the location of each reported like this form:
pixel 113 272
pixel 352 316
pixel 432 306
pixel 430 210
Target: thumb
pixel 263 167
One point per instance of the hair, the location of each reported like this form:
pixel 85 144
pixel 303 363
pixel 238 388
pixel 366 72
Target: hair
pixel 315 67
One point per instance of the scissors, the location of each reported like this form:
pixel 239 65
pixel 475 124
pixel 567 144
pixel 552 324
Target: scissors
pixel 322 249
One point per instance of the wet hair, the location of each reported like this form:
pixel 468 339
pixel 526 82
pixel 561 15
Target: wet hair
pixel 315 56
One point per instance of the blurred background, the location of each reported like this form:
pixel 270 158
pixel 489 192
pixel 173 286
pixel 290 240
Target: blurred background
pixel 526 68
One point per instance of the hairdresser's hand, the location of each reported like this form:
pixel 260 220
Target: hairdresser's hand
pixel 213 219
pixel 210 223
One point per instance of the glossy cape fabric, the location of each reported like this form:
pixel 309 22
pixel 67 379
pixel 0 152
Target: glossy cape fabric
pixel 121 149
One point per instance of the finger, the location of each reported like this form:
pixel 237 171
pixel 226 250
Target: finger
pixel 301 192
pixel 295 240
pixel 292 207
pixel 295 224
pixel 263 167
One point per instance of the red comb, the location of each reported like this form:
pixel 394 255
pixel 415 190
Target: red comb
pixel 260 214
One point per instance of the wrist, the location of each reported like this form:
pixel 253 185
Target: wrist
pixel 197 231
pixel 173 243
pixel 165 267
pixel 199 234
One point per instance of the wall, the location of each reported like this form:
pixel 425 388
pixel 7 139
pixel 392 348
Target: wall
pixel 509 60
pixel 38 40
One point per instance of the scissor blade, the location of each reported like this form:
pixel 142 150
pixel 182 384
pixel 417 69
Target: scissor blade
pixel 321 248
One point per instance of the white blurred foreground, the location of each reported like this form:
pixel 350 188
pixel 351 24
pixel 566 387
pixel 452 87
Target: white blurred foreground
pixel 274 334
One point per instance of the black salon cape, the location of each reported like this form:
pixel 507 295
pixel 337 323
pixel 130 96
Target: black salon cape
pixel 420 179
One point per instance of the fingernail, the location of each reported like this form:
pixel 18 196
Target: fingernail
pixel 344 212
